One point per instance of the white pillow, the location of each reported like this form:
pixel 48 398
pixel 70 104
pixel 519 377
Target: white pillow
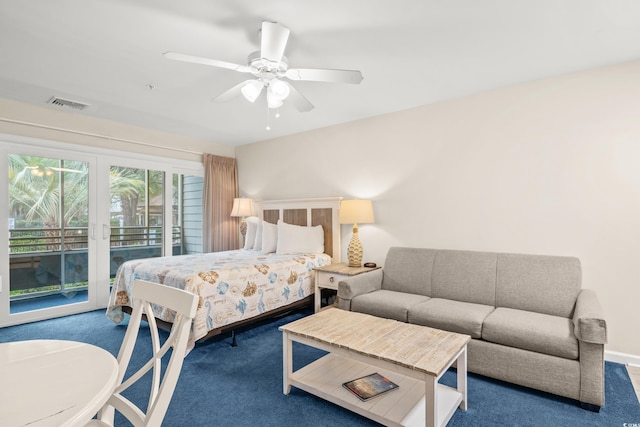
pixel 269 237
pixel 295 239
pixel 258 241
pixel 252 228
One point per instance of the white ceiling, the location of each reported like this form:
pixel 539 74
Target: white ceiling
pixel 411 53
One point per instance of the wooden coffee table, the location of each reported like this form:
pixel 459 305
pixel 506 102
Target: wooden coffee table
pixel 412 356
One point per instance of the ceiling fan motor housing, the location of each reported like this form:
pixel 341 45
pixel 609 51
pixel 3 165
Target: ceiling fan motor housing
pixel 262 66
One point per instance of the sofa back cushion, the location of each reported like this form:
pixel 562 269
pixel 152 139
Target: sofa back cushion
pixel 408 270
pixel 465 276
pixel 539 283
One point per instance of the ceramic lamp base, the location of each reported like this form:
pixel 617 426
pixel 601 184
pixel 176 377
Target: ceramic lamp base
pixel 243 227
pixel 354 250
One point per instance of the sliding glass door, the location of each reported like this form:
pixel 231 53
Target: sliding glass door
pixel 136 216
pixel 48 232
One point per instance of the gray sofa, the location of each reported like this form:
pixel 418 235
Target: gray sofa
pixel 530 321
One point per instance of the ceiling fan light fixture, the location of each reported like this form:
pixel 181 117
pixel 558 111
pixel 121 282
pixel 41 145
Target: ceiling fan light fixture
pixel 273 101
pixel 252 90
pixel 277 92
pixel 279 89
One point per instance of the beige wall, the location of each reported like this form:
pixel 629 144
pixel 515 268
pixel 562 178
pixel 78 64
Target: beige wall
pixel 549 167
pixel 17 118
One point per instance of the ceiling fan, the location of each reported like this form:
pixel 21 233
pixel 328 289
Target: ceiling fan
pixel 270 67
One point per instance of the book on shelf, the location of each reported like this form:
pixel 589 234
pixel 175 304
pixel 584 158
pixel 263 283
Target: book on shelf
pixel 370 386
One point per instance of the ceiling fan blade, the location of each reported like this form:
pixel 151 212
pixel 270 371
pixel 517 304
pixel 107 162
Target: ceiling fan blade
pixel 206 61
pixel 320 75
pixel 235 91
pixel 301 103
pixel 273 41
pixel 231 93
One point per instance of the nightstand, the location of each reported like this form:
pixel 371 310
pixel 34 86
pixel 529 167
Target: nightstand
pixel 327 277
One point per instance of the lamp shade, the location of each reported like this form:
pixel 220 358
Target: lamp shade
pixel 356 212
pixel 242 207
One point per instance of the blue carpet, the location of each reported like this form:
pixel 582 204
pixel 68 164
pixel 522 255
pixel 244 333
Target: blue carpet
pixel 222 385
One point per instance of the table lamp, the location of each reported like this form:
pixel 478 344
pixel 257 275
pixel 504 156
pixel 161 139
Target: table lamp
pixel 356 212
pixel 243 208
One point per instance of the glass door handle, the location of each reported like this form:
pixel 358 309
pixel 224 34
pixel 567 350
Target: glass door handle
pixel 92 232
pixel 106 231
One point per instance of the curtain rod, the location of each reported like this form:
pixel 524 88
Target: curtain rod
pixel 96 135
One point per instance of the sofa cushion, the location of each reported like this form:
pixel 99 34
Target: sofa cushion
pixel 465 276
pixel 452 316
pixel 408 270
pixel 540 283
pixel 388 304
pixel 537 332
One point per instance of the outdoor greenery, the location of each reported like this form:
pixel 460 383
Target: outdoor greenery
pixel 52 193
pixel 48 193
pixel 68 287
pixel 49 204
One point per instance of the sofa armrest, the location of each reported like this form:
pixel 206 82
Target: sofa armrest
pixel 588 318
pixel 358 285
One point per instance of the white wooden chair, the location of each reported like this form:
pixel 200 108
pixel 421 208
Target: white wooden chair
pixel 144 295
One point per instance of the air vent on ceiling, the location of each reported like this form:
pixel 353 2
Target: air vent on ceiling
pixel 61 102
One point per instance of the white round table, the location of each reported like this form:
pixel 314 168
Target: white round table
pixel 53 383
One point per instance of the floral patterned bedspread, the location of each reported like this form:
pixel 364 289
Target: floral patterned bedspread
pixel 232 285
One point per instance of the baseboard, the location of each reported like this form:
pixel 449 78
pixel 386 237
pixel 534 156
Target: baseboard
pixel 624 358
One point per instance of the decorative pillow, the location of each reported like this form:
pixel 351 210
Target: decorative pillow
pixel 258 241
pixel 296 239
pixel 252 228
pixel 269 237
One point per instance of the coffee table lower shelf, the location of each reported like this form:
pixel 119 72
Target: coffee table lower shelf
pixel 402 407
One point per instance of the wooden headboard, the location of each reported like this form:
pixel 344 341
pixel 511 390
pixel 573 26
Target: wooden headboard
pixel 307 212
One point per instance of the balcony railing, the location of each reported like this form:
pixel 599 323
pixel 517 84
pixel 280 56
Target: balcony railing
pixel 55 260
pixel 35 240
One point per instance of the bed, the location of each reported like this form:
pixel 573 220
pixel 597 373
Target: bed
pixel 239 287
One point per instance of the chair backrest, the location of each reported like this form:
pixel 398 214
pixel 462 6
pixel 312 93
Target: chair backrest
pixel 184 304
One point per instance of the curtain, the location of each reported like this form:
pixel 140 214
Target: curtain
pixel 220 230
